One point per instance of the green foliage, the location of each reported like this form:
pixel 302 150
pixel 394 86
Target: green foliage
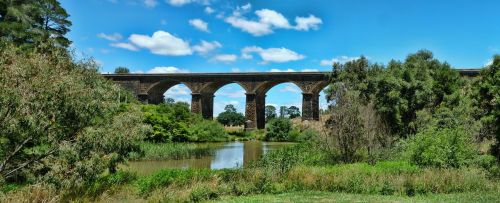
pixel 165 151
pixel 170 122
pixel 122 70
pixel 487 94
pixel 270 112
pixel 29 23
pixel 168 177
pixel 406 88
pixel 443 148
pixel 305 153
pixel 208 131
pixel 278 129
pixel 62 122
pixel 293 112
pixel 230 117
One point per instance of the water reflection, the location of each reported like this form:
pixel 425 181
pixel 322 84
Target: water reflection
pixel 225 155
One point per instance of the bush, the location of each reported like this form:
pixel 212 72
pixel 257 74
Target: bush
pixel 61 121
pixel 278 130
pixel 170 122
pixel 441 148
pixel 208 131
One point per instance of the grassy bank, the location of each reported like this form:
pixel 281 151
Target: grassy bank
pixel 314 196
pixel 164 151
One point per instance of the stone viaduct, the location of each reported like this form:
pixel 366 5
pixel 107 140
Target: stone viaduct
pixel 150 88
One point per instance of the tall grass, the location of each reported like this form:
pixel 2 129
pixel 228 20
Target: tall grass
pixel 163 151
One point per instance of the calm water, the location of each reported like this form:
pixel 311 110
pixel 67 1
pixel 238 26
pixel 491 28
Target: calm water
pixel 224 155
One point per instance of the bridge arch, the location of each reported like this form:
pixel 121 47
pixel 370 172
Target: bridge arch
pixel 155 92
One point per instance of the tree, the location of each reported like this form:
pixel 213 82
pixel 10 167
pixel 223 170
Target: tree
pixel 270 112
pixel 169 100
pixel 61 121
pixel 29 23
pixel 230 117
pixel 344 126
pixel 283 111
pixel 421 82
pixel 293 112
pixel 230 108
pixel 487 94
pixel 278 129
pixel 122 70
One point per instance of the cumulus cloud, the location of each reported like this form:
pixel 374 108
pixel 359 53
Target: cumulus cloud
pixel 150 3
pixel 277 55
pixel 268 20
pixel 162 43
pixel 206 47
pixel 309 70
pixel 307 23
pixel 290 88
pixel 340 59
pixel 179 2
pixel 127 46
pixel 110 37
pixel 280 70
pixel 178 90
pixel 225 58
pixel 199 24
pixel 209 10
pixel 168 69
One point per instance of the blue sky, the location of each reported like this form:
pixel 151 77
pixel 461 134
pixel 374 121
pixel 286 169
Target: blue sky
pixel 284 35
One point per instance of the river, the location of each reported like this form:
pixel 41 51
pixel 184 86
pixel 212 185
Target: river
pixel 222 155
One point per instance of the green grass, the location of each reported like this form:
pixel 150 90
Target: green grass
pixel 344 197
pixel 163 151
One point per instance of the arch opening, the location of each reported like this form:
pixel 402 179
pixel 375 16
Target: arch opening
pixel 229 105
pixel 286 98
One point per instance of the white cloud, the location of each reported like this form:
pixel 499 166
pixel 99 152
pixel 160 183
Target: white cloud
pixel 268 20
pixel 127 46
pixel 178 2
pixel 278 55
pixel 209 10
pixel 272 18
pixel 235 70
pixel 489 62
pixel 199 24
pixel 169 69
pixel 231 94
pixel 340 59
pixel 306 23
pixel 309 70
pixel 290 88
pixel 225 58
pixel 206 47
pixel 252 27
pixel 111 37
pixel 150 3
pixel 162 43
pixel 178 90
pixel 279 70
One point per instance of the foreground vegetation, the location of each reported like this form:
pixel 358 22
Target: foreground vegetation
pixel 314 196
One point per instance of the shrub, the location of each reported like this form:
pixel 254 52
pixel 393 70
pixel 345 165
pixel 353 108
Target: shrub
pixel 441 148
pixel 278 129
pixel 61 121
pixel 208 131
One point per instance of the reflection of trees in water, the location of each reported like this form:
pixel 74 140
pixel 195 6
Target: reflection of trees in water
pixel 252 151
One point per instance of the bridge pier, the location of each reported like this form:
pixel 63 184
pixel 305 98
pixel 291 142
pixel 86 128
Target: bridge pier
pixel 310 106
pixel 207 105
